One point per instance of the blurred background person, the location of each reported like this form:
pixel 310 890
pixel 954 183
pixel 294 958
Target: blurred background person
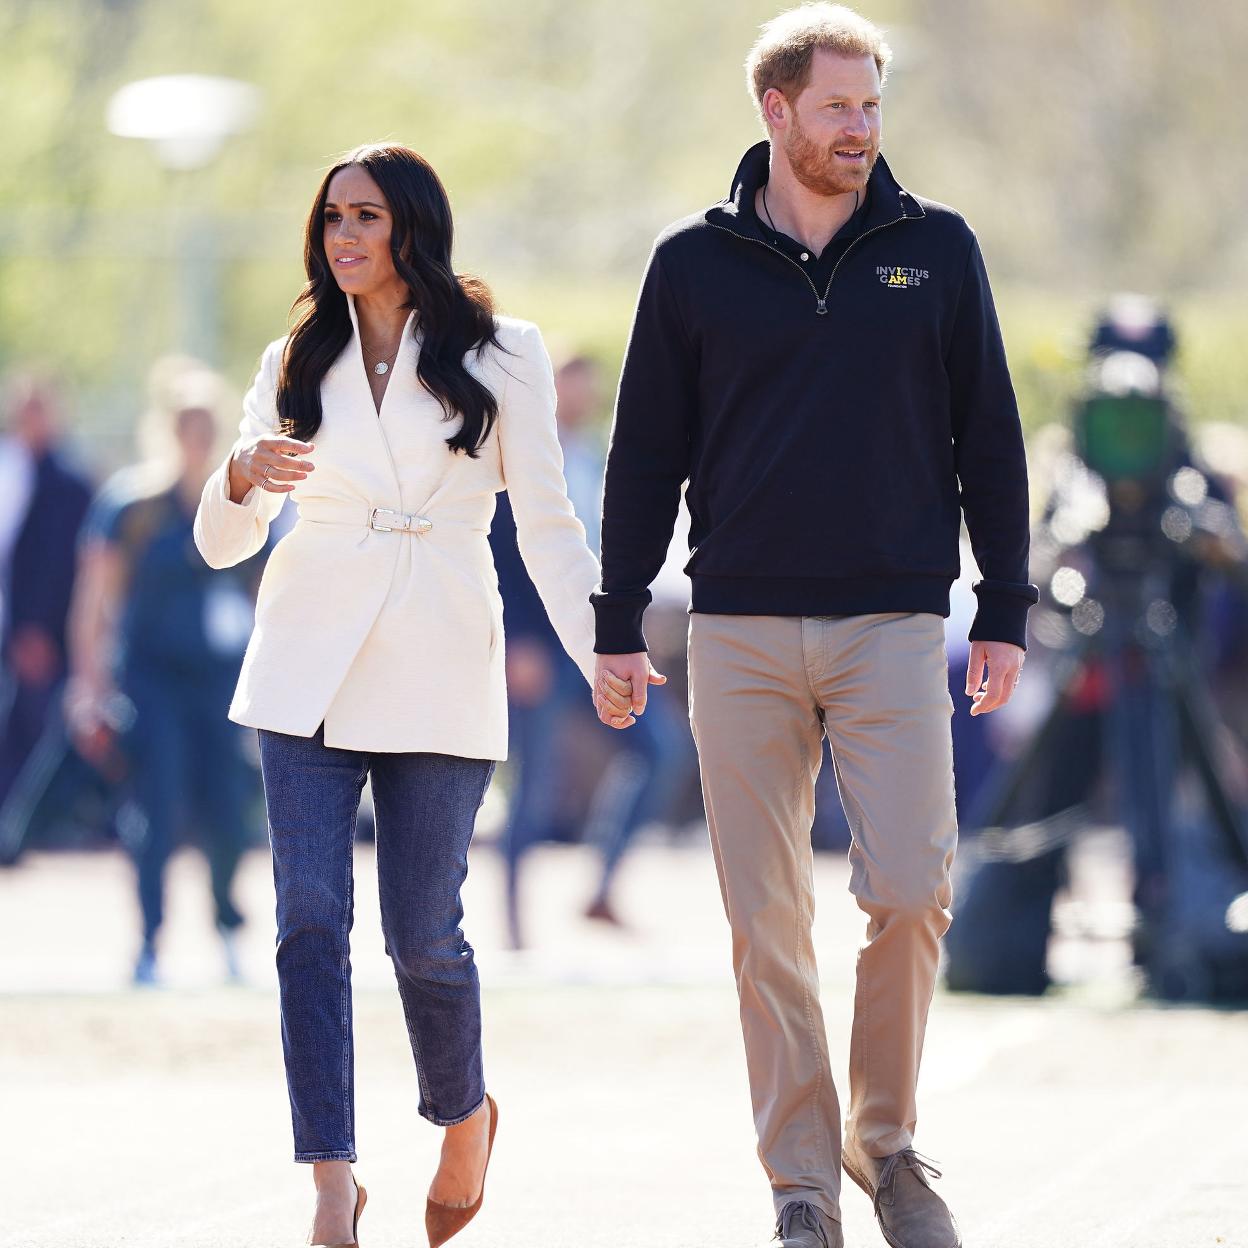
pixel 548 708
pixel 157 633
pixel 43 502
pixel 543 690
pixel 651 773
pixel 644 766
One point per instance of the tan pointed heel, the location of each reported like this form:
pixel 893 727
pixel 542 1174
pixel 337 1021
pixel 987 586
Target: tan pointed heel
pixel 444 1221
pixel 361 1199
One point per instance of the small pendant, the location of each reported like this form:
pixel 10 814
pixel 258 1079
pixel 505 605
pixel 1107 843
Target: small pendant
pixel 381 368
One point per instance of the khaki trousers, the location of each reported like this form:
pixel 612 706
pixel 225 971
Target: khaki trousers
pixel 763 690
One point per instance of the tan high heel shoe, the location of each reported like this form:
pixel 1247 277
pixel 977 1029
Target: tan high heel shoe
pixel 361 1198
pixel 443 1221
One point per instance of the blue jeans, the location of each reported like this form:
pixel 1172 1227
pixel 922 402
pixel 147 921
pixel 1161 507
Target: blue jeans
pixel 425 807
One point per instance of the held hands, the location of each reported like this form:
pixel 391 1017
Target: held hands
pixel 269 463
pixel 621 682
pixel 1005 666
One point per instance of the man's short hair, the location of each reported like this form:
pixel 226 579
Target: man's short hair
pixel 783 53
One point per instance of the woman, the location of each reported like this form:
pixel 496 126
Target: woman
pixel 156 640
pixel 396 409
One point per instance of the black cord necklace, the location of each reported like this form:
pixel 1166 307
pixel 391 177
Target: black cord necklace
pixel 767 210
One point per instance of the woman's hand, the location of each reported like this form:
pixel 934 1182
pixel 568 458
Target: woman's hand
pixel 270 464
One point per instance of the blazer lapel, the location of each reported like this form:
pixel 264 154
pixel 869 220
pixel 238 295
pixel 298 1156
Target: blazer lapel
pixel 351 388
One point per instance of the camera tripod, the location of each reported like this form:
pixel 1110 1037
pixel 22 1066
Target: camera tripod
pixel 1155 714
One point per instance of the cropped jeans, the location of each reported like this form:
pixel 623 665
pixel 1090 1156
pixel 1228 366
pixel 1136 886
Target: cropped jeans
pixel 425 807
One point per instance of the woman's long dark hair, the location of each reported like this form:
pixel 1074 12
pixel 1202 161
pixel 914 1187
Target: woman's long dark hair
pixel 455 313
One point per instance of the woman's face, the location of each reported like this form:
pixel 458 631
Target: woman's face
pixel 358 225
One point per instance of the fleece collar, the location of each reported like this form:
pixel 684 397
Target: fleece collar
pixel 888 201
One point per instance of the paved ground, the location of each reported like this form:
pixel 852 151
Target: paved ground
pixel 158 1119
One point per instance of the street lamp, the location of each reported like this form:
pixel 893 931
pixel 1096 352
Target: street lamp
pixel 187 119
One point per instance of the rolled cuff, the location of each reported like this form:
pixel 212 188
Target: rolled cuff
pixel 1002 613
pixel 617 623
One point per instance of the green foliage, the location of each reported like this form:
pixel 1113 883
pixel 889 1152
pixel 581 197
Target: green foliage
pixel 1212 362
pixel 1078 140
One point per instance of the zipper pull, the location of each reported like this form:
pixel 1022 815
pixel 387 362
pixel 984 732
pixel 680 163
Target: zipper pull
pixel 822 309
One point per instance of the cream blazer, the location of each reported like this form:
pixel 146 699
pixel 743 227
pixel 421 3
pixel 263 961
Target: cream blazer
pixel 395 639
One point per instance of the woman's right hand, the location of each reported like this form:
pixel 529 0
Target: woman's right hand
pixel 270 464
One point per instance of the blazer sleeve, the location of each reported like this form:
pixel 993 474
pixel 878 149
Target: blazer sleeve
pixel 227 532
pixel 551 539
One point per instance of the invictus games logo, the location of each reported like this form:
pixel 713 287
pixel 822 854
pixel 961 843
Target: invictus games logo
pixel 897 276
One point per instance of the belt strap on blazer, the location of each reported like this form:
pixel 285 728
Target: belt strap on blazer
pixel 380 519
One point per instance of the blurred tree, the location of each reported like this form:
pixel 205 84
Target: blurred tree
pixel 1096 146
pixel 1093 147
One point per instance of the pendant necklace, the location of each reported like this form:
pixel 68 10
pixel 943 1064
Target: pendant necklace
pixel 381 367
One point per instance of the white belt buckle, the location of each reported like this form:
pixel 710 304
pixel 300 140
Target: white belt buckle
pixel 387 520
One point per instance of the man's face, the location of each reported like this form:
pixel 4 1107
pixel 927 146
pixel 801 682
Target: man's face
pixel 33 421
pixel 831 132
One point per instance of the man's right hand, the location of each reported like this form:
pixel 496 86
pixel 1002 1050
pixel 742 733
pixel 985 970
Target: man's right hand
pixel 270 464
pixel 621 682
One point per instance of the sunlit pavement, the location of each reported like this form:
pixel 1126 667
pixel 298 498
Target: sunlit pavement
pixel 158 1118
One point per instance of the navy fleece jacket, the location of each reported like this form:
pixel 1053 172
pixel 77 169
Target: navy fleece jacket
pixel 831 435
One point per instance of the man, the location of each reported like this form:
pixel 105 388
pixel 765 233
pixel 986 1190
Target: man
pixel 818 355
pixel 42 510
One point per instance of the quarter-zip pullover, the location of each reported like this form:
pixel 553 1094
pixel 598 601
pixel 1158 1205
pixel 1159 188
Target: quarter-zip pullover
pixel 832 433
pixel 819 267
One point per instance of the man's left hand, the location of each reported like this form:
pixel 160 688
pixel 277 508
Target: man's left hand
pixel 1004 661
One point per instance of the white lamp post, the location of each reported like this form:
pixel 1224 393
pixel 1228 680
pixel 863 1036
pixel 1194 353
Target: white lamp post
pixel 187 118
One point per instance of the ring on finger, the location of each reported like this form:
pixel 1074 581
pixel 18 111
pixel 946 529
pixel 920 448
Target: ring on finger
pixel 268 468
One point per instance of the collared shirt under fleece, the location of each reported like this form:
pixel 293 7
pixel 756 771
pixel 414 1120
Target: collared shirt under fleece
pixel 832 431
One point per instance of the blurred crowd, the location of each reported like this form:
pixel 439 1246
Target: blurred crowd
pixel 121 650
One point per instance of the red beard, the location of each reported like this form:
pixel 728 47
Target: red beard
pixel 816 168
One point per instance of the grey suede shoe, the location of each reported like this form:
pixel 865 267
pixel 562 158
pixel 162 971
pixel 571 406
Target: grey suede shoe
pixel 910 1214
pixel 803 1225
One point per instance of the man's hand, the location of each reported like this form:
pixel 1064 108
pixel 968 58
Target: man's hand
pixel 1005 665
pixel 620 685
